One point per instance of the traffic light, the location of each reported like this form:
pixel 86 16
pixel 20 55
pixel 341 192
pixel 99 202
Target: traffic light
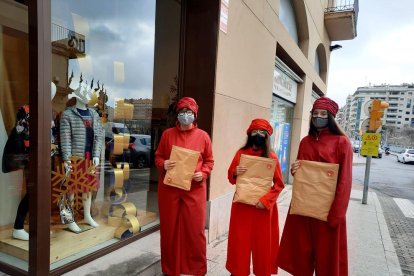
pixel 375 116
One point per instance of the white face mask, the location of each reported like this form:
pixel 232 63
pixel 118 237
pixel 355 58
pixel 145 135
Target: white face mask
pixel 185 119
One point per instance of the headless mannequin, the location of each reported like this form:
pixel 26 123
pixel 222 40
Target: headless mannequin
pixel 18 230
pixel 81 102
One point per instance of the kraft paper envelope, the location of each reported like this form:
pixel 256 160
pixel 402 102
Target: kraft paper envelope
pixel 256 181
pixel 314 189
pixel 186 162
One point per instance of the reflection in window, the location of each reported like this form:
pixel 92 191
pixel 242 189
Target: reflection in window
pixel 114 64
pixel 288 19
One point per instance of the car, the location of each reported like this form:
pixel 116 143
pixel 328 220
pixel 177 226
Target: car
pixel 112 128
pixel 405 156
pixel 380 152
pixel 140 150
pixel 356 146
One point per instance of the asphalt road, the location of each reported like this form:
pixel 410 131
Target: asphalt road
pixel 388 176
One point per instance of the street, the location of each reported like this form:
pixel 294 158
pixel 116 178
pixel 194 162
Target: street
pixel 394 184
pixel 387 176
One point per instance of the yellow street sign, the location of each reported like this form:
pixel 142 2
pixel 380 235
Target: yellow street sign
pixel 370 144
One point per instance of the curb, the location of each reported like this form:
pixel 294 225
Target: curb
pixel 393 263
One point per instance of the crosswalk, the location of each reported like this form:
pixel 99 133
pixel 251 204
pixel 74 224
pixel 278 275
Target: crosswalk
pixel 406 207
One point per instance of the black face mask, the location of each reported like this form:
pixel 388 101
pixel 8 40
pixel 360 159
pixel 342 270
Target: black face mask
pixel 319 122
pixel 258 140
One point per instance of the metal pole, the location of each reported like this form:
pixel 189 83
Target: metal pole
pixel 366 180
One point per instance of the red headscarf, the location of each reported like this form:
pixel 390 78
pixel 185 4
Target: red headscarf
pixel 189 103
pixel 260 124
pixel 327 104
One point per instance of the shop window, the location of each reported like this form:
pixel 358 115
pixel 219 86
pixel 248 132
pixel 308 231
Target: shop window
pixel 281 119
pixel 293 16
pixel 115 84
pixel 287 17
pixel 14 132
pixel 116 75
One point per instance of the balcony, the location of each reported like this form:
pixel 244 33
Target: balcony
pixel 341 18
pixel 67 42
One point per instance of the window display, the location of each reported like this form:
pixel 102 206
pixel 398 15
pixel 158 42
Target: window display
pixel 114 84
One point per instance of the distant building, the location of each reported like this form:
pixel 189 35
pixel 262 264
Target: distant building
pixel 400 113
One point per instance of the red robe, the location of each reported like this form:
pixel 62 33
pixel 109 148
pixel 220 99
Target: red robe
pixel 254 231
pixel 183 213
pixel 308 244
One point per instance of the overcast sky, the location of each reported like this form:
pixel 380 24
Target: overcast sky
pixel 382 52
pixel 120 32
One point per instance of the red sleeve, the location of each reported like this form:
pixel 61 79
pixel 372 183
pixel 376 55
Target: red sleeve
pixel 269 199
pixel 160 153
pixel 232 168
pixel 343 190
pixel 208 160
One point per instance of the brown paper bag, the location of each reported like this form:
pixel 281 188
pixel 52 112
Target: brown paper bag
pixel 256 181
pixel 314 188
pixel 181 175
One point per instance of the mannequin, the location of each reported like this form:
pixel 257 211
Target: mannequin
pixel 22 126
pixel 81 136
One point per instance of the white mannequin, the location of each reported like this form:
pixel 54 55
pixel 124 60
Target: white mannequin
pixel 21 234
pixel 82 98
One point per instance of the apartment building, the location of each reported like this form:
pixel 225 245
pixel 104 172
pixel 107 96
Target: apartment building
pixel 400 113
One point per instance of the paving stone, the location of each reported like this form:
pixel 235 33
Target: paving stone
pixel 401 230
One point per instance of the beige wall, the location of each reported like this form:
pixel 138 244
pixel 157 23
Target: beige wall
pixel 243 85
pixel 244 81
pixel 244 76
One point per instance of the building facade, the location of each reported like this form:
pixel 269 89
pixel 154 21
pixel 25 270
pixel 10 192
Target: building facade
pixel 399 114
pixel 132 60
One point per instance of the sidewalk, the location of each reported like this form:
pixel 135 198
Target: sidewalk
pixel 370 249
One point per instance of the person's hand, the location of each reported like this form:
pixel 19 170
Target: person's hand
pixel 68 166
pixel 295 166
pixel 198 177
pixel 95 161
pixel 169 164
pixel 260 205
pixel 240 170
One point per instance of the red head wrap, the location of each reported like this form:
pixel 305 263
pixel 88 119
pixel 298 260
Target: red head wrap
pixel 260 124
pixel 189 103
pixel 327 104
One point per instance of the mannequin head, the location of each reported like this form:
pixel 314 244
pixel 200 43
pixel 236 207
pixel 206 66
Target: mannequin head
pixel 82 95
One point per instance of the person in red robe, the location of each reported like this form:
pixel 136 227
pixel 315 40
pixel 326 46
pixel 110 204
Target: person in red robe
pixel 183 213
pixel 254 230
pixel 310 245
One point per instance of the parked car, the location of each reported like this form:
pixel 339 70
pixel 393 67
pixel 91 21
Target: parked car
pixel 380 152
pixel 140 150
pixel 406 155
pixel 356 146
pixel 112 128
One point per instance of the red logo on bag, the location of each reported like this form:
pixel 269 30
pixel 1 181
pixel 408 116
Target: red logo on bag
pixel 269 166
pixel 330 173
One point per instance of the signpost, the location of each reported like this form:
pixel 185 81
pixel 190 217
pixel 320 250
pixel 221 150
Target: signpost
pixel 370 139
pixel 369 148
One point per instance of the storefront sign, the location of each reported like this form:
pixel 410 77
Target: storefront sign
pixel 284 86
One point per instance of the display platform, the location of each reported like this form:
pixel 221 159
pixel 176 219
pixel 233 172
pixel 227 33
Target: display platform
pixel 66 243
